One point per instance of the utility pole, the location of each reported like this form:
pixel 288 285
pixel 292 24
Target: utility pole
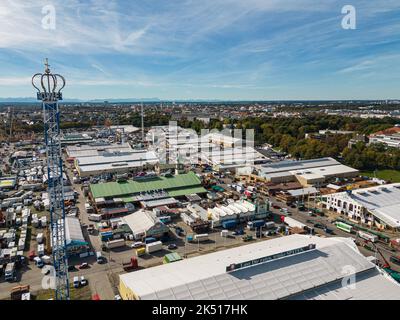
pixel 142 116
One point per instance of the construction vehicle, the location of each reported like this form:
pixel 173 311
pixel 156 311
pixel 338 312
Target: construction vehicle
pixel 131 265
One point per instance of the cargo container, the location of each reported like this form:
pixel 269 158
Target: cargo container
pixel 200 237
pixel 255 224
pixel 153 246
pixel 115 244
pixel 229 224
pixel 367 236
pixel 344 227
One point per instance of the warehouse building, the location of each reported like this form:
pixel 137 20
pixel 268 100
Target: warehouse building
pixel 379 205
pixel 96 149
pixel 116 162
pixel 75 241
pixel 78 138
pixel 307 172
pixel 390 137
pixel 144 224
pixel 147 189
pixel 296 267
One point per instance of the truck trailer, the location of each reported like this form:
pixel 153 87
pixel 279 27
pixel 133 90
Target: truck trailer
pixel 115 244
pixel 154 246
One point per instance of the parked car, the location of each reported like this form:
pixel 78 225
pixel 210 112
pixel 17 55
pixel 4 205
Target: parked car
pixel 83 265
pixel 83 281
pixel 138 244
pixel 172 246
pixel 76 282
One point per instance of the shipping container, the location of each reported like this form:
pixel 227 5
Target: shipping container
pixel 115 243
pixel 153 246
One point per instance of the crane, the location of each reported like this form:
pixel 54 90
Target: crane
pixel 49 86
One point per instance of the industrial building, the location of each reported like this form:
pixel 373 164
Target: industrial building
pixel 295 267
pixel 307 172
pixel 152 188
pixel 116 162
pixel 71 139
pixel 379 205
pixel 390 137
pixel 96 149
pixel 144 224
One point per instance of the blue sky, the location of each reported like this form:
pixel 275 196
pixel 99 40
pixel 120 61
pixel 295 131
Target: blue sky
pixel 208 49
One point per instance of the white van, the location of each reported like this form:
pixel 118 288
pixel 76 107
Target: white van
pixel 76 282
pixel 99 257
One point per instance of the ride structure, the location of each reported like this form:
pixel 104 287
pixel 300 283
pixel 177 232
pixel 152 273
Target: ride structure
pixel 49 86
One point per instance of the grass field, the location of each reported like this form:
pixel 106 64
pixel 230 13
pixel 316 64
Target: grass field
pixel 392 175
pixel 82 293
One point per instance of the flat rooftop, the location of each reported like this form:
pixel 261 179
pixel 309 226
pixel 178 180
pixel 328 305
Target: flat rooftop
pixel 206 278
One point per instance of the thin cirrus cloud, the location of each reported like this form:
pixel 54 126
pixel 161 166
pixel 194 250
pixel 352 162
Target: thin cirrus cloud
pixel 228 49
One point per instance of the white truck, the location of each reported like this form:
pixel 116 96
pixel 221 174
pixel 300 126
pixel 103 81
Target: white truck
pixel 115 244
pixel 153 247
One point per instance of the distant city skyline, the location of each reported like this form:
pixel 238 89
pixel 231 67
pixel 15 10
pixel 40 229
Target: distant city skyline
pixel 204 50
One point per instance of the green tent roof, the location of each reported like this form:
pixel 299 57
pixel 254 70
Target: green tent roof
pixel 119 189
pixel 186 191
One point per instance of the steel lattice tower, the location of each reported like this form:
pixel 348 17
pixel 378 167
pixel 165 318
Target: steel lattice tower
pixel 49 88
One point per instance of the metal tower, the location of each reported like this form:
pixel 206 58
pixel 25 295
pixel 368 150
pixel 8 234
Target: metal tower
pixel 49 88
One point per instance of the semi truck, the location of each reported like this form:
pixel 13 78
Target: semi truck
pixel 153 247
pixel 131 265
